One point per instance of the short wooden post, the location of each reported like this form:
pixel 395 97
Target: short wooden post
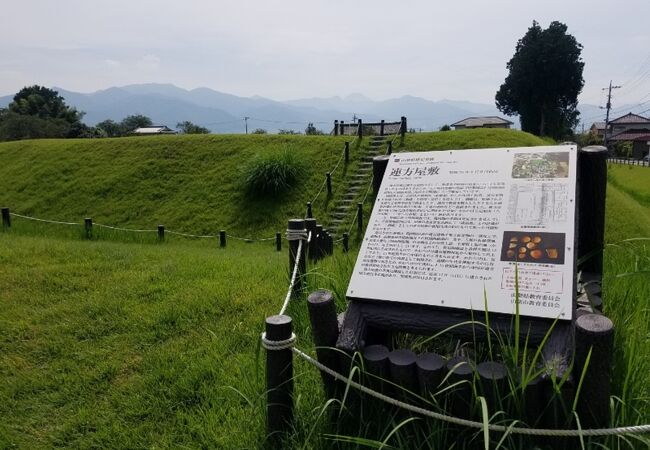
pixel 309 211
pixel 375 361
pixel 310 226
pixel 403 126
pixel 325 332
pixel 346 242
pixel 360 129
pixel 328 182
pixel 595 334
pixel 336 128
pixel 279 377
pixel 381 128
pixel 389 148
pixel 6 218
pixel 431 371
pixel 341 124
pixel 379 164
pixel 592 185
pixel 492 377
pixel 278 241
pixel 88 227
pixel 360 217
pixel 161 233
pixel 222 238
pixel 403 370
pixel 346 153
pixel 319 246
pixel 461 372
pixel 295 226
pixel 330 243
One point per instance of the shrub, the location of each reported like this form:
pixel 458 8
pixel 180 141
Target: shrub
pixel 273 173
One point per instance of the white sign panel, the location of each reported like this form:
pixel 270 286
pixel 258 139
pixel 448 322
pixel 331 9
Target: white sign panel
pixel 450 226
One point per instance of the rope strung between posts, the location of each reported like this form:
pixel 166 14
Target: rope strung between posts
pixel 354 219
pixel 44 220
pixel 322 186
pixel 278 345
pixel 634 429
pixel 133 230
pixel 124 229
pixel 294 235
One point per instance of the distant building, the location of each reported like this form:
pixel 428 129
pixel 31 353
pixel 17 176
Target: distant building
pixel 482 122
pixel 631 128
pixel 154 129
pixel 598 129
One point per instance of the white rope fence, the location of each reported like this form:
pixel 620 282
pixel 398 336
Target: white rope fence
pixel 58 222
pixel 294 235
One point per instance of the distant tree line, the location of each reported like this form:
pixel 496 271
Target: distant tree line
pixel 39 112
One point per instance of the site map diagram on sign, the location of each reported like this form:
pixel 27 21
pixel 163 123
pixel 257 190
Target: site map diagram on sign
pixel 450 226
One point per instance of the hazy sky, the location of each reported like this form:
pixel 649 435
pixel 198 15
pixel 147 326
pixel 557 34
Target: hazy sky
pixel 294 49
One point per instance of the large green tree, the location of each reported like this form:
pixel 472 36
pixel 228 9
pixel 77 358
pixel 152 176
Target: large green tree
pixel 544 81
pixel 187 127
pixel 40 112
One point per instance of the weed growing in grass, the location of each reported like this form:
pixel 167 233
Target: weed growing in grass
pixel 270 174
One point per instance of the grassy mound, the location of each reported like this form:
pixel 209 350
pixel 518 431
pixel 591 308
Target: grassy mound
pixel 188 183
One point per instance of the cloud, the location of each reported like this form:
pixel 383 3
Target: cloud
pixel 112 63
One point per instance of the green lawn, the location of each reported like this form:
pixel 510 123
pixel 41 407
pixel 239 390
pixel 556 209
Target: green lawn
pixel 132 344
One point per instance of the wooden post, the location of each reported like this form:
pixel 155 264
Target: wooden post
pixel 278 241
pixel 595 333
pixel 317 238
pixel 222 238
pixel 389 148
pixel 88 227
pixel 6 218
pixel 360 217
pixel 336 128
pixel 403 126
pixel 403 370
pixel 309 211
pixel 492 376
pixel 346 242
pixel 325 332
pixel 461 372
pixel 297 225
pixel 328 182
pixel 360 129
pixel 592 184
pixel 161 233
pixel 381 128
pixel 330 243
pixel 375 361
pixel 342 127
pixel 346 153
pixel 279 377
pixel 379 164
pixel 310 226
pixel 431 371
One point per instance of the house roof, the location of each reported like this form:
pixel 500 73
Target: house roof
pixel 153 129
pixel 598 125
pixel 481 121
pixel 630 118
pixel 632 135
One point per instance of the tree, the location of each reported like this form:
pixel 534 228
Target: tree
pixel 40 112
pixel 188 127
pixel 110 128
pixel 445 127
pixel 544 81
pixel 259 131
pixel 130 123
pixel 312 130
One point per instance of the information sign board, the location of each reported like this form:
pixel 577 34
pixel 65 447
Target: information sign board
pixel 460 228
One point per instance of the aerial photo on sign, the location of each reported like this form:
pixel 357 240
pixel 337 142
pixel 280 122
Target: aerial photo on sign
pixel 450 228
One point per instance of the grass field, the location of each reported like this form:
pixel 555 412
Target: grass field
pixel 108 344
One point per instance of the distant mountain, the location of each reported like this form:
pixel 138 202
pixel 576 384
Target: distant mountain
pixel 167 104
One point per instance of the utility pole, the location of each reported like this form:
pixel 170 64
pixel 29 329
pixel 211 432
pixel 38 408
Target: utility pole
pixel 246 123
pixel 608 107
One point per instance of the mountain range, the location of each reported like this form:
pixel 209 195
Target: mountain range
pixel 220 112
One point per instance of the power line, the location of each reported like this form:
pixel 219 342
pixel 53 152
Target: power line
pixel 609 106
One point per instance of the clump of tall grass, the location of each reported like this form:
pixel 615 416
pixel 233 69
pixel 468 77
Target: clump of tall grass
pixel 273 173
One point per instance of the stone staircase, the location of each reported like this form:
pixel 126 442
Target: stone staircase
pixel 356 184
